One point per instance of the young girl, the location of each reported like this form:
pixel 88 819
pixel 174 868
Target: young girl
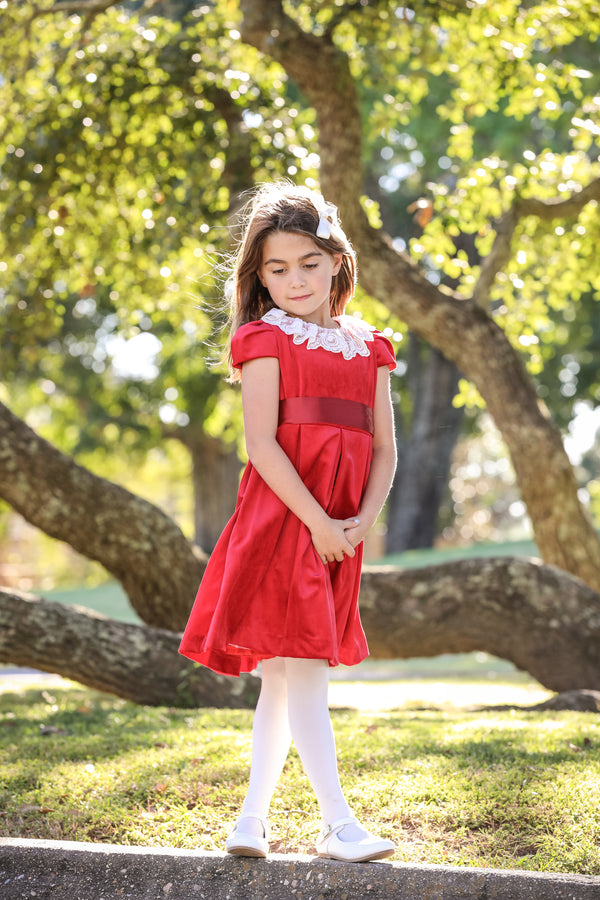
pixel 282 584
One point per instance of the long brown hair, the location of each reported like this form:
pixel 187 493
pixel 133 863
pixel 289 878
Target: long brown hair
pixel 278 207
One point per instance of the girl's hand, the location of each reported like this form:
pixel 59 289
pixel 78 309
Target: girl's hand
pixel 356 532
pixel 330 539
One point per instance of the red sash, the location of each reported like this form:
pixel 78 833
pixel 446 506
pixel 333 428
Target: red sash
pixel 327 411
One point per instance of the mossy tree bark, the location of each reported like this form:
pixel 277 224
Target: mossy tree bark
pixel 539 617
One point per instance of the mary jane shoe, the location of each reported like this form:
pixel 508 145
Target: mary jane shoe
pixel 240 843
pixel 369 847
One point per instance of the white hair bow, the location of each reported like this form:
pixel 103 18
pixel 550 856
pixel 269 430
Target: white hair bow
pixel 327 218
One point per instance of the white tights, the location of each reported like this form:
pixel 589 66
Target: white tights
pixel 293 703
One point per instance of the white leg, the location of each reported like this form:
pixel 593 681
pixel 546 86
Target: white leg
pixel 310 723
pixel 270 742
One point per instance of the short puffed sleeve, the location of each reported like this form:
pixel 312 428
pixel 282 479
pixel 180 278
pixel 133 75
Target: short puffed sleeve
pixel 251 341
pixel 384 351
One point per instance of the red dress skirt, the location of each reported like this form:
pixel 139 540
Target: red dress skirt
pixel 265 591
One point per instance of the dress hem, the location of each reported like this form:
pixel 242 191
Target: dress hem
pixel 224 663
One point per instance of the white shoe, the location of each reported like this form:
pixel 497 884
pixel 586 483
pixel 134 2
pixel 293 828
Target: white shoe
pixel 241 843
pixel 329 845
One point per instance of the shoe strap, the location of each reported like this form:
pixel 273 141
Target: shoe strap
pixel 254 815
pixel 337 826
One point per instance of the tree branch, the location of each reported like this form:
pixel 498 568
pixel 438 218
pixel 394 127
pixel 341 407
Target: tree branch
pixel 136 662
pixel 547 210
pixel 497 258
pixel 559 209
pixel 83 7
pixel 133 539
pixel 346 9
pixel 322 72
pixel 539 617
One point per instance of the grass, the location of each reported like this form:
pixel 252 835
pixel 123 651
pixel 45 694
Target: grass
pixel 506 789
pixel 450 784
pixel 108 598
pixel 414 559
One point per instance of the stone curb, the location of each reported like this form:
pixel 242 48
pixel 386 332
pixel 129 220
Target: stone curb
pixel 67 870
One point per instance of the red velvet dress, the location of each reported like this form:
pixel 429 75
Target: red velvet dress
pixel 265 591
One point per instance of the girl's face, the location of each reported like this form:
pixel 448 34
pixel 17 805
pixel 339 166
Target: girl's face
pixel 297 275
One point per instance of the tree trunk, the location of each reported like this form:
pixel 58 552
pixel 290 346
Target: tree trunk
pixel 216 477
pixel 134 540
pixel 459 327
pixel 424 452
pixel 540 618
pixel 136 662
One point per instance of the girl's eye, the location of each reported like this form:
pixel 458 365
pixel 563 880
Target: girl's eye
pixel 311 265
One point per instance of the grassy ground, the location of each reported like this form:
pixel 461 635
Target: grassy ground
pixel 505 789
pixel 449 783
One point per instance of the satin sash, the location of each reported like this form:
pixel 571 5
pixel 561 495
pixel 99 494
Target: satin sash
pixel 327 411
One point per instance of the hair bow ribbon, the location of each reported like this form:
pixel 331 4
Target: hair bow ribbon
pixel 327 217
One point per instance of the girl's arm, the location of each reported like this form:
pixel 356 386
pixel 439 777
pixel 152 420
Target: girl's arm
pixel 260 401
pixel 383 465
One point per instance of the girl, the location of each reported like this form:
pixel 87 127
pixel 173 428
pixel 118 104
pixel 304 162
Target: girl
pixel 282 584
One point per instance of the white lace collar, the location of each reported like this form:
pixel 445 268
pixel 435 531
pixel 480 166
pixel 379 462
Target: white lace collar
pixel 350 339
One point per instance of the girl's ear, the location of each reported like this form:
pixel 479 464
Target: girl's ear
pixel 260 278
pixel 337 262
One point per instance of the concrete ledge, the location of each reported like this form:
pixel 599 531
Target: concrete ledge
pixel 66 870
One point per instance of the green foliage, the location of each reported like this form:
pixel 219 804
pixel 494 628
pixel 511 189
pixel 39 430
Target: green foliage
pixel 527 128
pixel 127 142
pixel 128 135
pixel 468 395
pixel 496 789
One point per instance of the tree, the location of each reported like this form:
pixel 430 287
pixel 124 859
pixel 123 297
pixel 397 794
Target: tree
pixel 178 77
pixel 505 210
pixel 328 52
pixel 424 449
pixel 136 662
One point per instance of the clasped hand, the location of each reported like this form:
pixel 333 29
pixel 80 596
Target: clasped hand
pixel 336 538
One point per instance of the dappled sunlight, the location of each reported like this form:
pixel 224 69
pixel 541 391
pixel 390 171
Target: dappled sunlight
pixel 496 724
pixel 365 695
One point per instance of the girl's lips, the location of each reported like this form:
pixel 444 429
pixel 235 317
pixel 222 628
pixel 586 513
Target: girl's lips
pixel 303 297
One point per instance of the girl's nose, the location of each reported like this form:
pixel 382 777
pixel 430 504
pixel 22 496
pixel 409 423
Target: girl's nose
pixel 297 277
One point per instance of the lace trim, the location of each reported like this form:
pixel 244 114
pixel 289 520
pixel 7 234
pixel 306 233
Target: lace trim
pixel 350 339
